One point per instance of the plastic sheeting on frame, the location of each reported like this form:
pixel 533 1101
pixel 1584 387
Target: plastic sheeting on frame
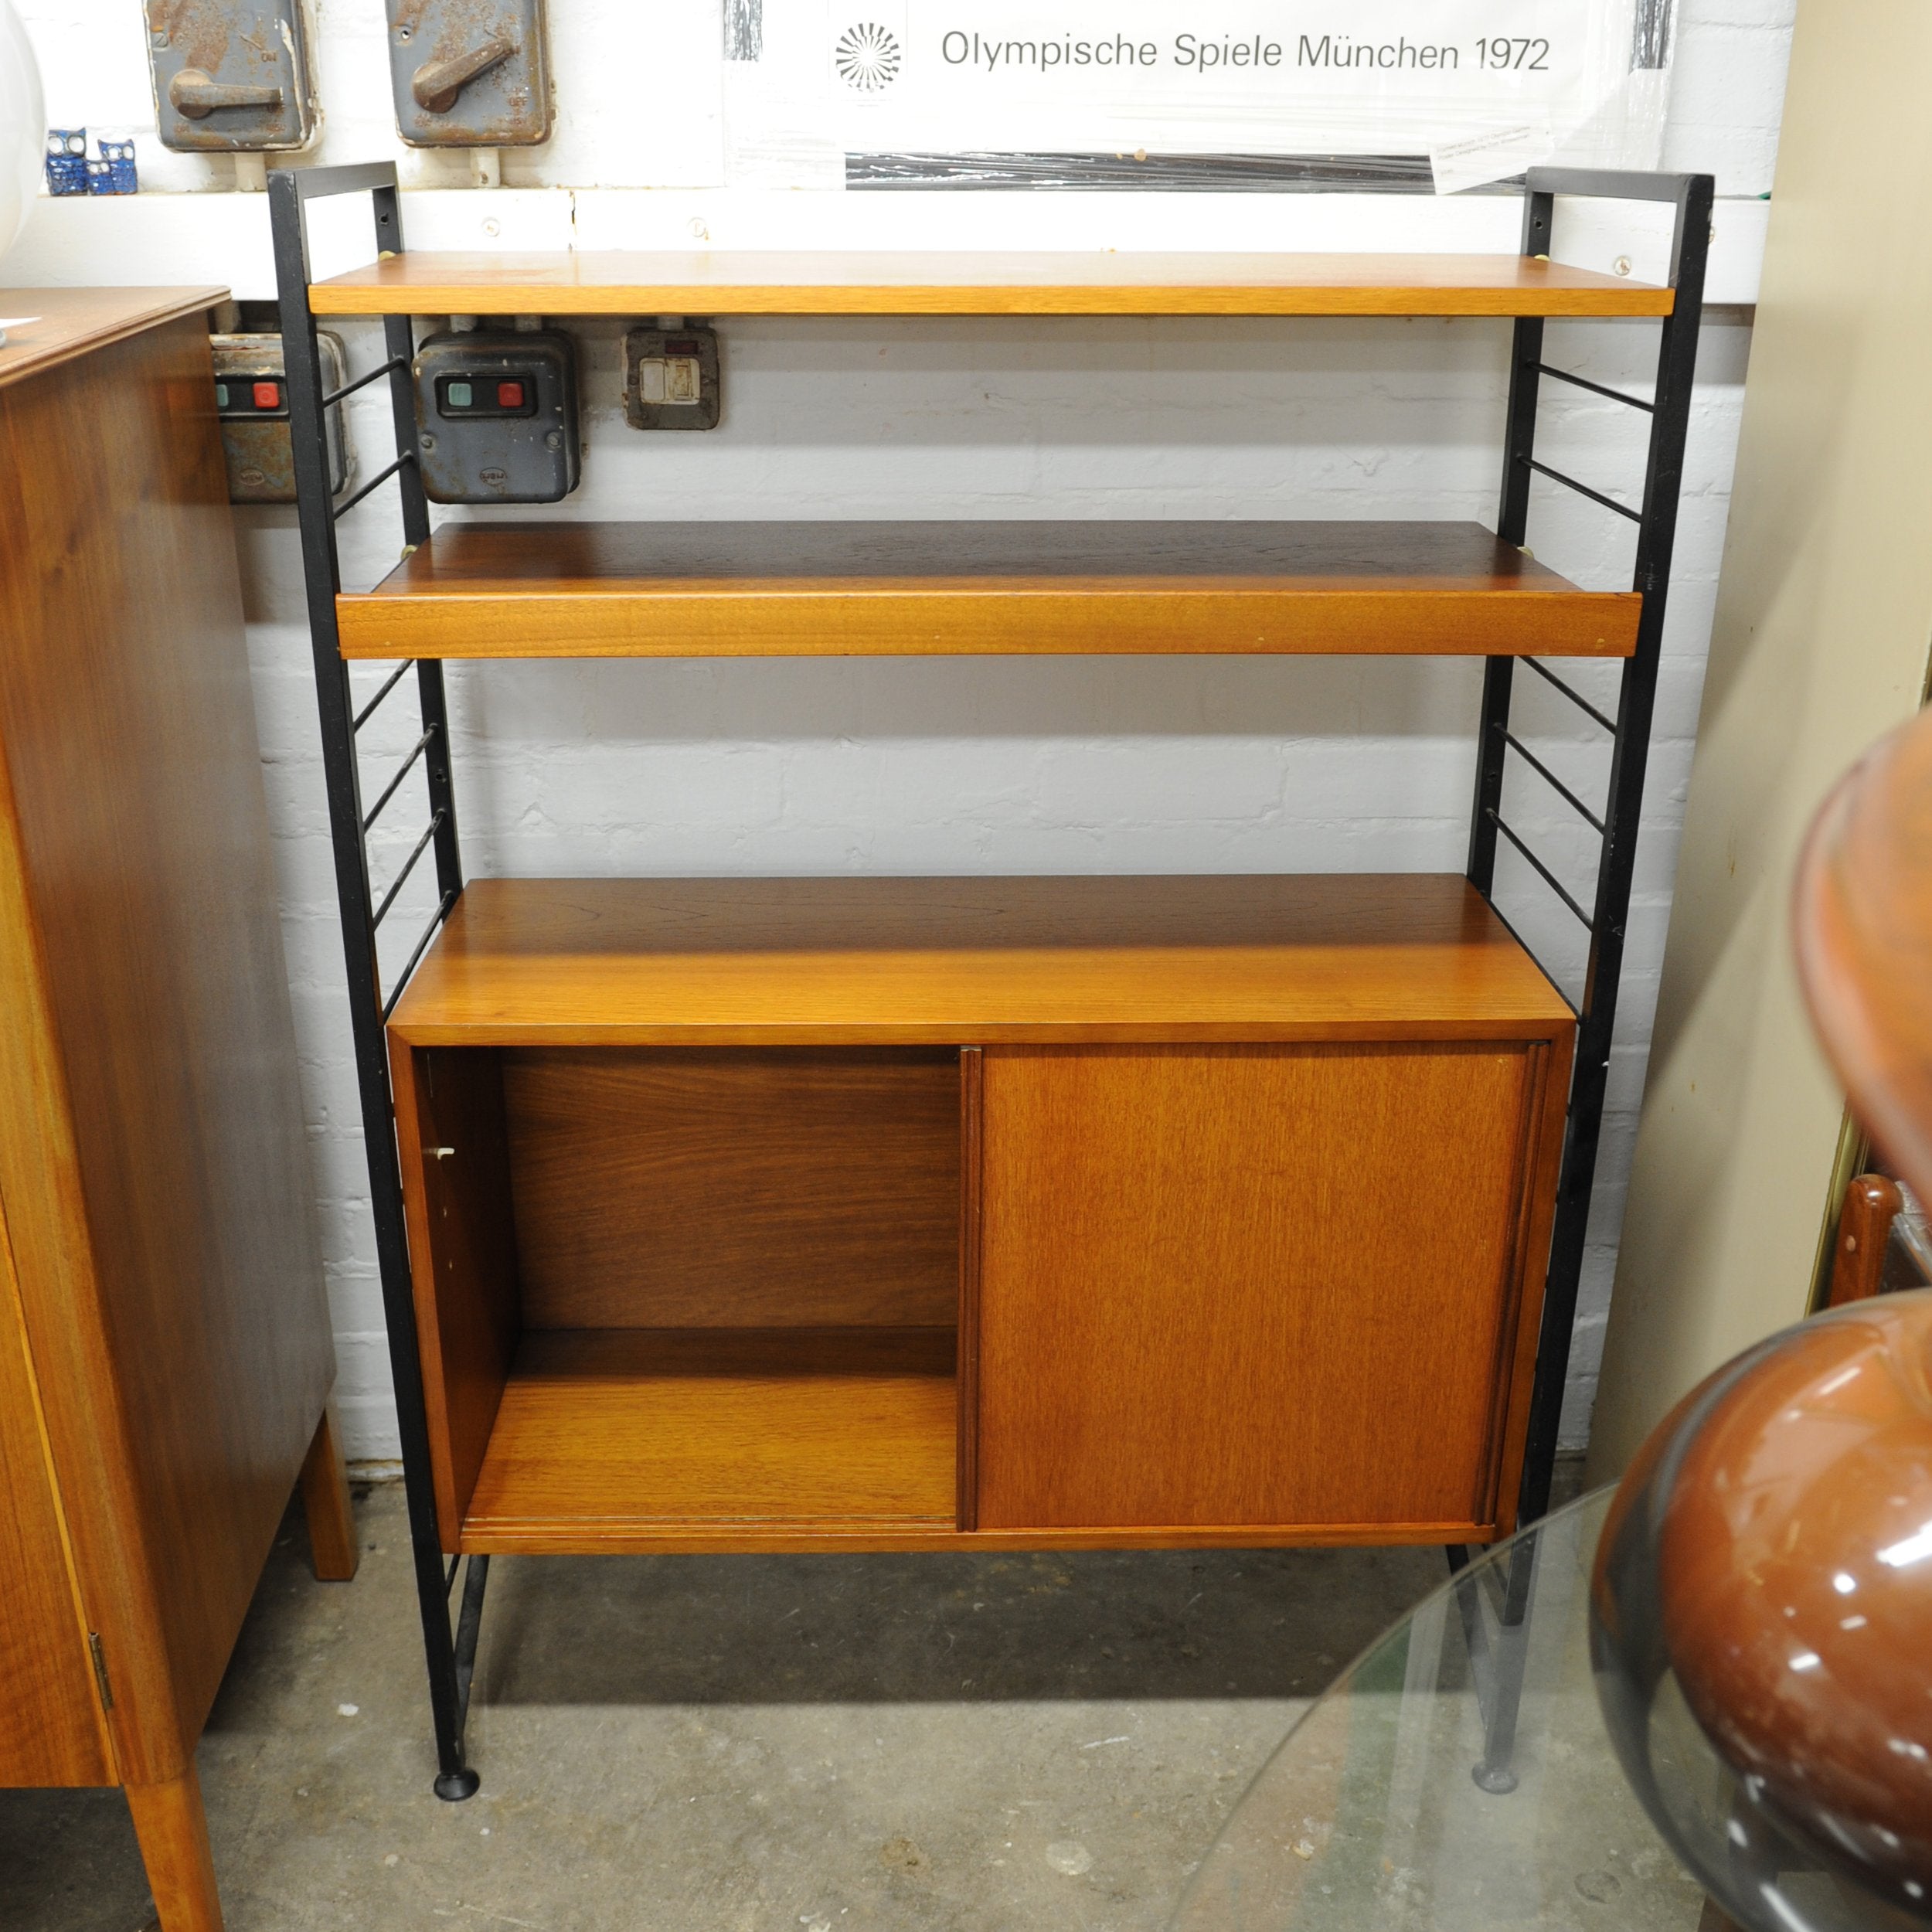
pixel 1414 94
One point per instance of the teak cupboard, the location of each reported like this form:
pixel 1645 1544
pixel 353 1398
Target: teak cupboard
pixel 808 1214
pixel 165 1360
pixel 1003 1213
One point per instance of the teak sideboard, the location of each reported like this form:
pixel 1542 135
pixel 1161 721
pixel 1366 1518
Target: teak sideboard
pixel 974 1213
pixel 165 1358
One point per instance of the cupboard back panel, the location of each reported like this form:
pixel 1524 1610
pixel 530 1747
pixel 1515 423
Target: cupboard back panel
pixel 1245 1285
pixel 735 1188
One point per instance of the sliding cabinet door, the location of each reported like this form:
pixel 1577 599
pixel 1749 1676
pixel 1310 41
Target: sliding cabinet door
pixel 1253 1287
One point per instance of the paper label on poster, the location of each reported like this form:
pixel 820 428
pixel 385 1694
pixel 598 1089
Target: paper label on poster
pixel 1494 155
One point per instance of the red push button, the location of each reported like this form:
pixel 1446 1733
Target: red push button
pixel 268 396
pixel 509 396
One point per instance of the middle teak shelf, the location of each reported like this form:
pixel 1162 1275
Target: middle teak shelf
pixel 1013 587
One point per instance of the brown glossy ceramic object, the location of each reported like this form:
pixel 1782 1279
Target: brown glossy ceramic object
pixel 1769 1555
pixel 1795 1582
pixel 1862 916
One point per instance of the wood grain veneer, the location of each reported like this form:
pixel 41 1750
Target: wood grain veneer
pixel 735 1189
pixel 173 1830
pixel 457 1202
pixel 724 282
pixel 70 322
pixel 333 1549
pixel 1247 1285
pixel 1006 587
pixel 50 1727
pixel 157 1180
pixel 887 961
pixel 971 1062
pixel 603 1436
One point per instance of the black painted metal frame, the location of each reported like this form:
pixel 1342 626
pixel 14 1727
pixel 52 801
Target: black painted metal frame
pixel 451 1654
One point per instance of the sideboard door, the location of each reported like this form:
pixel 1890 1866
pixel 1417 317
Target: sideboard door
pixel 50 1730
pixel 1255 1287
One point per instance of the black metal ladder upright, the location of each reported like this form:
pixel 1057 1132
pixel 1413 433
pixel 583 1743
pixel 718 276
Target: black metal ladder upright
pixel 451 1656
pixel 1500 1662
pixel 450 1653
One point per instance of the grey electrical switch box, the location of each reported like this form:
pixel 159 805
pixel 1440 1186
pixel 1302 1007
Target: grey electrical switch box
pixel 469 73
pixel 251 402
pixel 230 75
pixel 671 377
pixel 496 416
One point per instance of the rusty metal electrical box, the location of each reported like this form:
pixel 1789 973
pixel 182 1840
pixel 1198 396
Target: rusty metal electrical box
pixel 229 75
pixel 671 377
pixel 496 416
pixel 469 73
pixel 251 401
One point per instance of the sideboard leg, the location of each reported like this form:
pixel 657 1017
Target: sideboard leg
pixel 332 1522
pixel 172 1830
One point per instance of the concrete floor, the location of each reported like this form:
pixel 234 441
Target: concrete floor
pixel 722 1744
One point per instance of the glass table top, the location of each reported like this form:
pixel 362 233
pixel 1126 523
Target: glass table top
pixel 1401 1802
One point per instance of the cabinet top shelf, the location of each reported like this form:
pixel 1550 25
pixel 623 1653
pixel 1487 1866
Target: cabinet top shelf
pixel 894 962
pixel 1096 283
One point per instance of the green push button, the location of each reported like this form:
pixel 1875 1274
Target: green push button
pixel 221 395
pixel 461 396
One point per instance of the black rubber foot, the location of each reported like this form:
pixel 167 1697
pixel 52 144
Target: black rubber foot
pixel 1498 1781
pixel 453 1786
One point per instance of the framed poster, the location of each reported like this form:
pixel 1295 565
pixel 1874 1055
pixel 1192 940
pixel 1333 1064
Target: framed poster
pixel 1441 93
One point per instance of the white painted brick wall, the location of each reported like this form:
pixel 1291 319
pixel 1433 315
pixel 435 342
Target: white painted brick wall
pixel 1029 766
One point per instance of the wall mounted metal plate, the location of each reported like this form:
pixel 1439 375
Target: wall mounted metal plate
pixel 671 377
pixel 251 400
pixel 229 75
pixel 469 73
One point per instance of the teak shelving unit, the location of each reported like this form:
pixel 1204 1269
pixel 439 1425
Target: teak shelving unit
pixel 886 1213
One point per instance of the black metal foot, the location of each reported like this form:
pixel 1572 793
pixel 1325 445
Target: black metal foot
pixel 453 1786
pixel 1497 1780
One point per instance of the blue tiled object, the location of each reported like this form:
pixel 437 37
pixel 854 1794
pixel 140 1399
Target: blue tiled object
pixel 114 174
pixel 67 161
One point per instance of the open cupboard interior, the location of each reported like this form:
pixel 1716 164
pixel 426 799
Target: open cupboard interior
pixel 1152 1209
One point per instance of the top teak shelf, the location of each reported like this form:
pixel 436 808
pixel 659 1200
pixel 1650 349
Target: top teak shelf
pixel 1094 283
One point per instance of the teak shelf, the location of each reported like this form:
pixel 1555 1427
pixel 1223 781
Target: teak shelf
pixel 1018 587
pixel 978 1213
pixel 725 282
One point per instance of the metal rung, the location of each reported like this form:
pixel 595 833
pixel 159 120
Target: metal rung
pixel 376 810
pixel 1556 784
pixel 1550 879
pixel 422 946
pixel 1582 704
pixel 389 685
pixel 375 482
pixel 409 865
pixel 362 382
pixel 1597 389
pixel 469 1622
pixel 1571 483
